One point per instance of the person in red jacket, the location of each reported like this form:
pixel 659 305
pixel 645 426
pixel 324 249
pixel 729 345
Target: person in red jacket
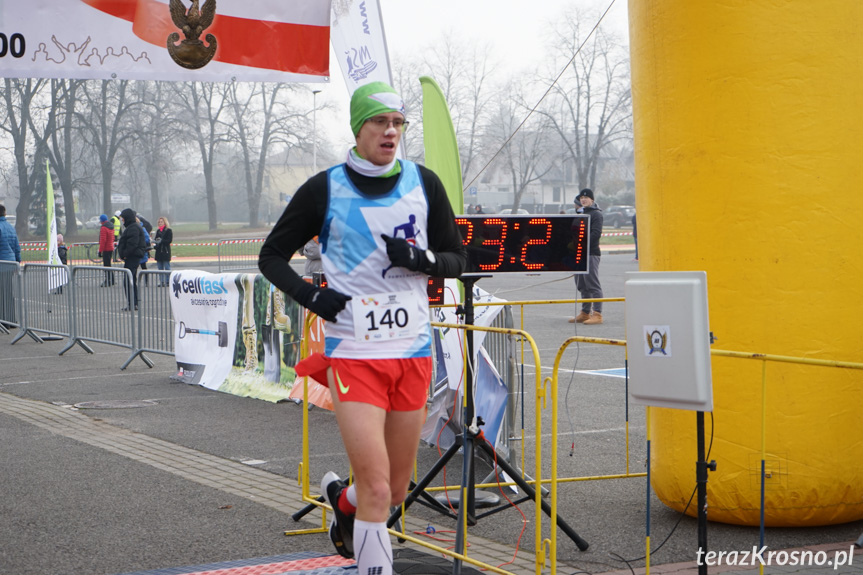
pixel 106 247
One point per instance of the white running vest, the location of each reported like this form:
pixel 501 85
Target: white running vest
pixel 388 317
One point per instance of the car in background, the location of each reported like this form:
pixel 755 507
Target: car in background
pixel 518 212
pixel 61 224
pixel 93 223
pixel 616 216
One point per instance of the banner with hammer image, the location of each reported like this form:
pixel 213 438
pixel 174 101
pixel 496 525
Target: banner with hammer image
pixel 235 333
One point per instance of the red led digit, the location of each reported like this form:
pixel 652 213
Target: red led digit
pixel 465 226
pixel 543 239
pixel 495 242
pixel 580 239
pixel 435 291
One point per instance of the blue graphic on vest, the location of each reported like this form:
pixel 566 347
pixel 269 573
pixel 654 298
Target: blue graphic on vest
pixel 409 232
pixel 360 63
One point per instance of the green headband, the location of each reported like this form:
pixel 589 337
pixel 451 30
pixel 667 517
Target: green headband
pixel 372 99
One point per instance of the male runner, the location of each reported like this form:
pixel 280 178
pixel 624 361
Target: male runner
pixel 377 360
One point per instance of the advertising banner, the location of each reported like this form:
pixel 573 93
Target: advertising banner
pixel 359 43
pixel 235 333
pixel 178 40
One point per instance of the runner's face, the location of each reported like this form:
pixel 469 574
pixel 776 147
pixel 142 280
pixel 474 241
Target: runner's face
pixel 379 145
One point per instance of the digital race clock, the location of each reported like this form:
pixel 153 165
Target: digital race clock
pixel 525 244
pixel 521 244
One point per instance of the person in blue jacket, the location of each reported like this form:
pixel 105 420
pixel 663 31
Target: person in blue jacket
pixel 10 248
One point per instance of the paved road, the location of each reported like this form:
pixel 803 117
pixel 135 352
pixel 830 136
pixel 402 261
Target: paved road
pixel 196 476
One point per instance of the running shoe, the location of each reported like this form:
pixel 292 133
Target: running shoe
pixel 342 524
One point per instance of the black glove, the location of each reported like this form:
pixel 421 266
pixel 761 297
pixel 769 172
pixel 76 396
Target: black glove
pixel 405 255
pixel 325 302
pixel 100 254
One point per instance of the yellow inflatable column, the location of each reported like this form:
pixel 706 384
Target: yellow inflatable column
pixel 748 119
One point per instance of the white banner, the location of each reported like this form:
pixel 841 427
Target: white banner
pixel 445 412
pixel 235 333
pixel 57 276
pixel 205 318
pixel 179 40
pixel 359 43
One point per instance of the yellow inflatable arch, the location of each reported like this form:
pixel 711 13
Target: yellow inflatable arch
pixel 748 120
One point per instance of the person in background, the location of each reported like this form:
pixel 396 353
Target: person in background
pixel 379 386
pixel 312 251
pixel 10 251
pixel 106 247
pixel 10 247
pixel 131 248
pixel 588 284
pixel 117 221
pixel 63 254
pixel 635 235
pixel 479 209
pixel 146 223
pixel 162 253
pixel 148 245
pixel 62 250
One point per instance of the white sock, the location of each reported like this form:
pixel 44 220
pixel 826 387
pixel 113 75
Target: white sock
pixel 372 548
pixel 352 494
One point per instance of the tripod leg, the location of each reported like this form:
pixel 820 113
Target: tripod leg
pixel 306 510
pixel 546 508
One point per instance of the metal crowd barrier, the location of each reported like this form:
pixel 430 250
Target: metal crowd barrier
pixel 155 318
pixel 94 304
pixel 10 295
pixel 99 295
pixel 239 254
pixel 47 292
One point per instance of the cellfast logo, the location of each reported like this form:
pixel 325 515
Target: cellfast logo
pixel 198 285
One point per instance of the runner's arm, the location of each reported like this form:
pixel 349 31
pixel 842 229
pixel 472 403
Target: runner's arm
pixel 301 221
pixel 444 237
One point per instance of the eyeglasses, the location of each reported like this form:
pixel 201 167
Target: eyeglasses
pixel 382 123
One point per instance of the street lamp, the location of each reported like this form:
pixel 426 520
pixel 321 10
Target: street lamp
pixel 315 131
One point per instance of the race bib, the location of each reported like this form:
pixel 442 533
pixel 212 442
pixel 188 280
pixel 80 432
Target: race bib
pixel 385 316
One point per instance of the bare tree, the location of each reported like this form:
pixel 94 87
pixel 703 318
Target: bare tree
pixel 591 104
pixel 62 130
pixel 155 129
pixel 525 154
pixel 203 105
pixel 18 97
pixel 464 73
pixel 105 126
pixel 261 119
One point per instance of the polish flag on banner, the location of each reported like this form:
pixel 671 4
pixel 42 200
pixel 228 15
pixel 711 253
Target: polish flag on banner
pixel 179 40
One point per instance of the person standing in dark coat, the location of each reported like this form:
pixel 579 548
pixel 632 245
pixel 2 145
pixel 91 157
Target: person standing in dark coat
pixel 164 237
pixel 131 249
pixel 588 284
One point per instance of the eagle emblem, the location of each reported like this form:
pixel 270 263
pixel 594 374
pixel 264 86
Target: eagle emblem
pixel 191 53
pixel 656 341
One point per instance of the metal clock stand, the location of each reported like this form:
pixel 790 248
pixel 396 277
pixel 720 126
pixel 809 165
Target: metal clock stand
pixel 470 441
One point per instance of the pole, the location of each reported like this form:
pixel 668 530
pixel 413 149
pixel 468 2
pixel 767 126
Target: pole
pixel 701 480
pixel 315 131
